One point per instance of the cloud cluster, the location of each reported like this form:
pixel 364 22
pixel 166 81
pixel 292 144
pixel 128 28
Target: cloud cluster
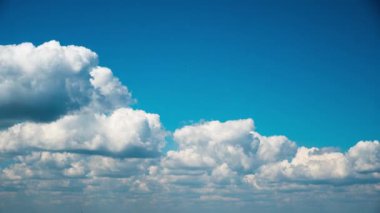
pixel 227 148
pixel 68 131
pixel 232 153
pixel 314 165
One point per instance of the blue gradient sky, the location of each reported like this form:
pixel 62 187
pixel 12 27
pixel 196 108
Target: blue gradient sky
pixel 306 69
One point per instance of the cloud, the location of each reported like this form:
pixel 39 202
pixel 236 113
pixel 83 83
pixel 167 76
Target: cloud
pixel 48 165
pixel 231 155
pixel 322 166
pixel 365 156
pixel 83 106
pixel 124 133
pixel 215 142
pixel 42 83
pixel 108 92
pixel 67 128
pixel 307 166
pixel 234 143
pixel 69 135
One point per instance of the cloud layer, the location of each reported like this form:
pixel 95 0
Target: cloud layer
pixel 68 132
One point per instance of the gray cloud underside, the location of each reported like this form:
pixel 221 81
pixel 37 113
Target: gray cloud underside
pixel 69 137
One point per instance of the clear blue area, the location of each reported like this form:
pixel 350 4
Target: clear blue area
pixel 307 69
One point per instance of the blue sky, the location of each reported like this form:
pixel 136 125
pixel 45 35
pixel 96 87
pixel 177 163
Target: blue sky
pixel 267 106
pixel 306 69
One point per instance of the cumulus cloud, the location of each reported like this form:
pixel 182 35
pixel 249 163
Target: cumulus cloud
pixel 108 92
pixel 85 108
pixel 68 130
pixel 234 143
pixel 307 166
pixel 233 154
pixel 42 83
pixel 213 158
pixel 319 166
pixel 365 156
pixel 212 142
pixel 67 126
pixel 124 133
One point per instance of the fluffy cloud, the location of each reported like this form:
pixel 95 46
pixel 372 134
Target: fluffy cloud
pixel 365 156
pixel 213 158
pixel 68 131
pixel 234 143
pixel 307 166
pixel 274 148
pixel 214 141
pixel 317 166
pixel 41 83
pixel 233 153
pixel 124 133
pixel 67 127
pixel 83 104
pixel 108 92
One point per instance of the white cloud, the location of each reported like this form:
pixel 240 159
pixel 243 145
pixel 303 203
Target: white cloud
pixel 214 143
pixel 232 143
pixel 44 165
pixel 314 165
pixel 275 148
pixel 110 93
pixel 216 156
pixel 41 83
pixel 232 153
pixel 124 133
pixel 223 174
pixel 67 128
pixel 48 165
pixel 308 165
pixel 365 156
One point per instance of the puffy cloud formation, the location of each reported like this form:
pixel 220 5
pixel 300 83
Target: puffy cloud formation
pixel 318 166
pixel 124 133
pixel 234 143
pixel 307 166
pixel 231 155
pixel 70 137
pixel 41 83
pixel 365 156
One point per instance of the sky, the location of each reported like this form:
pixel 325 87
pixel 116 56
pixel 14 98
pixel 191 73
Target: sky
pixel 189 106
